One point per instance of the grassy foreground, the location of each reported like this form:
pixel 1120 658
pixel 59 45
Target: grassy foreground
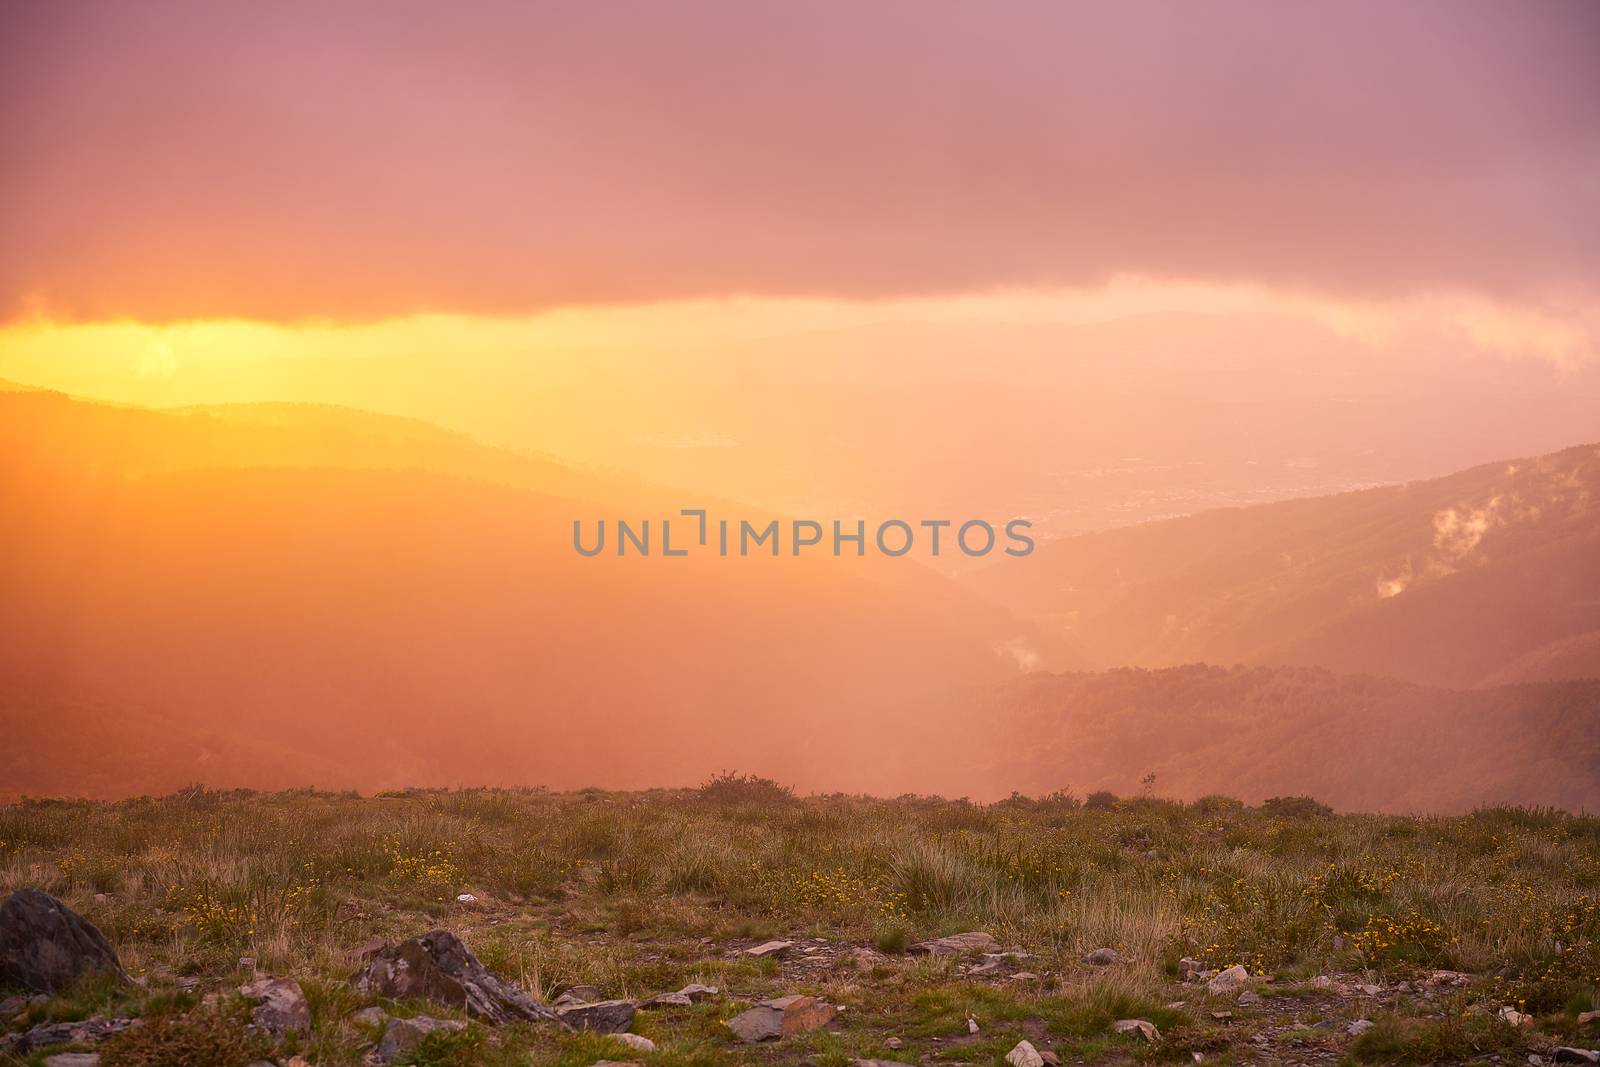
pixel 641 893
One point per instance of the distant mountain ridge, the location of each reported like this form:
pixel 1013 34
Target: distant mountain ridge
pixel 1444 582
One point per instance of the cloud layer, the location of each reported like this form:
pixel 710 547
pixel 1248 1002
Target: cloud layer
pixel 290 160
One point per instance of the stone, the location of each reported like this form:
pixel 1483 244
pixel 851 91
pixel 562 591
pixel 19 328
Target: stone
pixel 466 898
pixel 637 1042
pixel 1189 970
pixel 1025 1055
pixel 866 958
pixel 1227 981
pixel 1249 996
pixel 280 1006
pixel 1024 976
pixel 1369 989
pixel 617 1063
pixel 73 1059
pixel 1102 957
pixel 893 1044
pixel 45 946
pixel 1359 1027
pixel 1222 1016
pixel 693 993
pixel 954 945
pixel 578 994
pixel 769 948
pixel 370 1016
pixel 1515 1017
pixel 1567 1054
pixel 772 1019
pixel 1050 1058
pixel 85 1031
pixel 601 1016
pixel 402 1034
pixel 1143 1027
pixel 1322 981
pixel 437 966
pixel 1587 1017
pixel 12 1006
pixel 368 947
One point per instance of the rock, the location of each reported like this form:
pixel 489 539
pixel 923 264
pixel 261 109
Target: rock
pixel 1229 980
pixel 45 946
pixel 1369 989
pixel 1024 976
pixel 368 947
pixel 12 1006
pixel 466 898
pixel 1189 970
pixel 247 963
pixel 602 1016
pixel 617 1063
pixel 1359 1027
pixel 1322 981
pixel 772 1019
pixel 1102 957
pixel 1143 1027
pixel 73 1059
pixel 876 1063
pixel 372 1016
pixel 1050 1058
pixel 1249 996
pixel 1025 1055
pixel 1222 1016
pixel 85 1031
pixel 866 958
pixel 402 1034
pixel 769 948
pixel 1567 1054
pixel 280 1006
pixel 953 945
pixel 992 967
pixel 637 1042
pixel 578 994
pixel 893 1044
pixel 1515 1017
pixel 972 1025
pixel 1587 1017
pixel 438 967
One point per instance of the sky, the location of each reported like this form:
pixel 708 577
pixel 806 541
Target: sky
pixel 430 210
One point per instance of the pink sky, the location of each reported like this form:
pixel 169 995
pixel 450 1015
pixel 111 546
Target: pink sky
pixel 354 161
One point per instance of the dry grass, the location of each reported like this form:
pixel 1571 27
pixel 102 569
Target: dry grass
pixel 637 893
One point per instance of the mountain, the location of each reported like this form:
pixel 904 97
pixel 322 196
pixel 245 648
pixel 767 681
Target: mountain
pixel 1458 581
pixel 411 611
pixel 1356 743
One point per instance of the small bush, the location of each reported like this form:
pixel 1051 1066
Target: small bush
pixel 1294 808
pixel 1101 800
pixel 203 1038
pixel 730 788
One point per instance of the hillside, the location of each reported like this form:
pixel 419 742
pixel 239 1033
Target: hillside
pixel 1441 582
pixel 1350 741
pixel 398 623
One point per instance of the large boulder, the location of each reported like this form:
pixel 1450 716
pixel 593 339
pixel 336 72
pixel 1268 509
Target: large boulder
pixel 45 946
pixel 402 1034
pixel 280 1006
pixel 439 967
pixel 601 1016
pixel 772 1019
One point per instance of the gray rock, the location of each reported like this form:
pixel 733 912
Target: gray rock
pixel 1189 970
pixel 1359 1027
pixel 578 994
pixel 1102 957
pixel 1249 996
pixel 954 945
pixel 1024 1055
pixel 402 1034
pixel 769 948
pixel 772 1019
pixel 280 1006
pixel 1567 1054
pixel 603 1016
pixel 370 1016
pixel 1143 1027
pixel 45 946
pixel 73 1059
pixel 437 966
pixel 85 1031
pixel 1228 981
pixel 637 1042
pixel 693 993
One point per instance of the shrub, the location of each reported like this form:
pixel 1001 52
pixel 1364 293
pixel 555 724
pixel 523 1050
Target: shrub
pixel 1101 800
pixel 730 788
pixel 1294 808
pixel 202 1038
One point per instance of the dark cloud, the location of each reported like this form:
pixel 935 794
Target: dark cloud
pixel 286 160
